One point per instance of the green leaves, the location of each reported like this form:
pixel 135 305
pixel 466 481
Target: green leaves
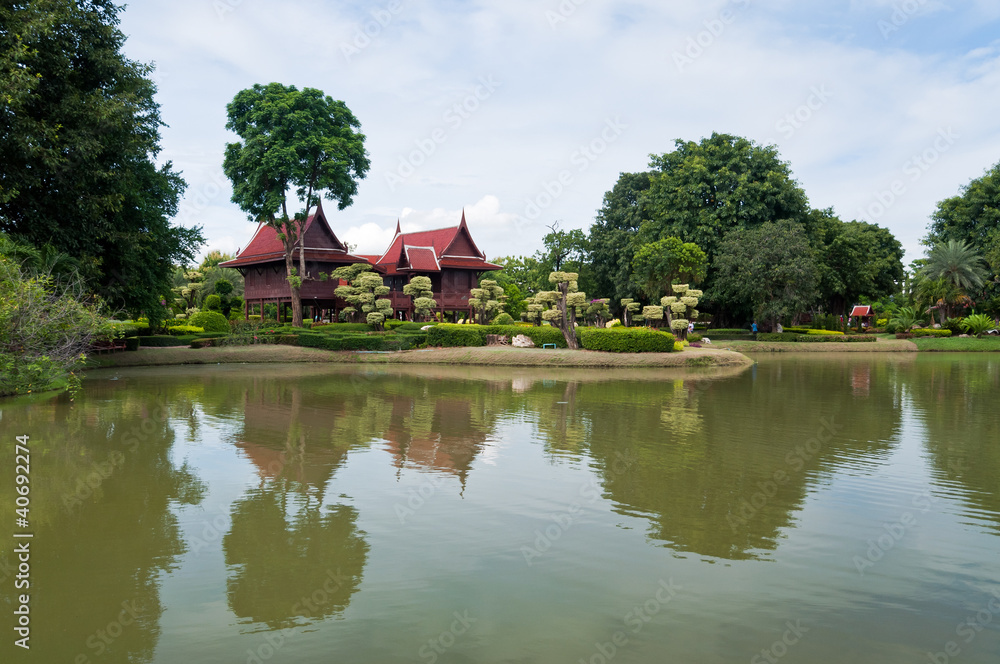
pixel 658 264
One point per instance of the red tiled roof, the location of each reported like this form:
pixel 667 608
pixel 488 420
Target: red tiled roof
pixel 421 259
pixel 321 244
pixel 861 311
pixel 429 251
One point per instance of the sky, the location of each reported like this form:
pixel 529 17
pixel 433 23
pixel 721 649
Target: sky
pixel 524 113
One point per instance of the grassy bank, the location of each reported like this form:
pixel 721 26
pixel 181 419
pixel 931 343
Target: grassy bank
pixel 986 344
pixel 478 356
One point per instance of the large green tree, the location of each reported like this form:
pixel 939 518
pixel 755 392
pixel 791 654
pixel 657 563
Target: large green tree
pixel 611 236
pixel 659 264
pixel 770 268
pixel 79 138
pixel 855 259
pixel 292 140
pixel 702 191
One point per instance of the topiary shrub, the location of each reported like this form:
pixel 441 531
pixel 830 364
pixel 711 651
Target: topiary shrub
pixel 131 343
pixel 210 321
pixel 626 340
pixel 931 332
pixel 163 341
pixel 779 336
pixel 451 335
pixel 503 319
pixel 181 330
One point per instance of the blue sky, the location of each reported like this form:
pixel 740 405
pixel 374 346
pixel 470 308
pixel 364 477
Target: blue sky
pixel 525 112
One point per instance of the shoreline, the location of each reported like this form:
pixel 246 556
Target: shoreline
pixel 468 356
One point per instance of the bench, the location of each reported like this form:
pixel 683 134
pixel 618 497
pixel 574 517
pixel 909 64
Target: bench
pixel 549 346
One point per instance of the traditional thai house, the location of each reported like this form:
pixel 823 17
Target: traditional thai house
pixel 262 264
pixel 449 256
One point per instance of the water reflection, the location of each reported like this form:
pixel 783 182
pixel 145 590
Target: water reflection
pixel 103 488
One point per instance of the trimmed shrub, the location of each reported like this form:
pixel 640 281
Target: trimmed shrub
pixel 626 340
pixel 724 330
pixel 407 326
pixel 451 335
pixel 131 343
pixel 202 343
pixel 545 334
pixel 343 327
pixel 931 332
pixel 504 319
pixel 816 338
pixel 163 341
pixel 181 330
pixel 210 321
pixel 778 336
pixel 826 333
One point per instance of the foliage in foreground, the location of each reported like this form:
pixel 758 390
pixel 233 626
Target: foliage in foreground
pixel 45 331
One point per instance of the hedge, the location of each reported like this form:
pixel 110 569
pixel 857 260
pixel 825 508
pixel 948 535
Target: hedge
pixel 626 340
pixel 779 336
pixel 451 335
pixel 163 341
pixel 724 330
pixel 543 334
pixel 711 334
pixel 839 337
pixel 343 327
pixel 931 332
pixel 181 330
pixel 373 342
pixel 131 343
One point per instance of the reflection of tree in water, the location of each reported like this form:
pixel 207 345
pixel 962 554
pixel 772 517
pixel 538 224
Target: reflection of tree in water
pixel 96 562
pixel 692 455
pixel 291 561
pixel 955 398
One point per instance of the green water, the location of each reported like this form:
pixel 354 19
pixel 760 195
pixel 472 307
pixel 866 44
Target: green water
pixel 820 509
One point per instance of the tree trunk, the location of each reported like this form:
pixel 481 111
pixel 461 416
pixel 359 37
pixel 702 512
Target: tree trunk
pixel 293 286
pixel 567 322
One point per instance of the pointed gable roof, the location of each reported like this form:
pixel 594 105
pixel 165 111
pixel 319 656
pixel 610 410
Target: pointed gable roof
pixel 319 242
pixel 430 251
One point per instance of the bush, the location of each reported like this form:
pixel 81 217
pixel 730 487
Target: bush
pixel 210 321
pixel 931 332
pixel 779 336
pixel 723 330
pixel 202 343
pixel 626 340
pixel 544 334
pixel 163 341
pixel 504 319
pixel 181 330
pixel 406 326
pixel 819 338
pixel 213 303
pixel 254 318
pixel 451 335
pixel 131 343
pixel 825 333
pixel 343 327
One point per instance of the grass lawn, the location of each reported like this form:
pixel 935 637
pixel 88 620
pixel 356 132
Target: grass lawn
pixel 956 344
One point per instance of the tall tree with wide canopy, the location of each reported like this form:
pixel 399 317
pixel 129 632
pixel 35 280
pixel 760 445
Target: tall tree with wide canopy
pixel 769 268
pixel 611 236
pixel 292 140
pixel 972 217
pixel 702 191
pixel 79 137
pixel 855 259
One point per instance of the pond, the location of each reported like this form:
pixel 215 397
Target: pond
pixel 843 508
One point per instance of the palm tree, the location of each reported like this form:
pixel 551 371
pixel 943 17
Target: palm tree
pixel 905 319
pixel 958 263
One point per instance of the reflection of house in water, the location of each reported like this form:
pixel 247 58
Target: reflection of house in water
pixel 443 435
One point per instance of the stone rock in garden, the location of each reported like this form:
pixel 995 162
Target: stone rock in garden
pixel 963 336
pixel 522 341
pixel 426 327
pixel 706 340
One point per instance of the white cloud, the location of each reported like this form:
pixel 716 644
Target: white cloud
pixel 559 85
